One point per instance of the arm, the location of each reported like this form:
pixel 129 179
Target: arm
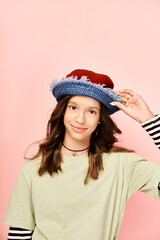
pixel 19 233
pixel 152 126
pixel 141 175
pixel 20 210
pixel 135 107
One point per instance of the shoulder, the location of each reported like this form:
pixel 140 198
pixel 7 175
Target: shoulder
pixel 121 155
pixel 31 164
pixel 124 162
pixel 30 167
pixel 122 158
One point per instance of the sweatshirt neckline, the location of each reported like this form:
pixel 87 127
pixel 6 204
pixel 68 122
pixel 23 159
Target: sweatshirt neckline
pixel 75 158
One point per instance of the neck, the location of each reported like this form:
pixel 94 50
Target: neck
pixel 70 147
pixel 74 150
pixel 68 152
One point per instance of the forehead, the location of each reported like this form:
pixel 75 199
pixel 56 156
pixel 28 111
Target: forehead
pixel 88 101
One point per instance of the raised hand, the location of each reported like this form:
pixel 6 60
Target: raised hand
pixel 134 105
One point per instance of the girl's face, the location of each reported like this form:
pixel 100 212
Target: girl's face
pixel 81 117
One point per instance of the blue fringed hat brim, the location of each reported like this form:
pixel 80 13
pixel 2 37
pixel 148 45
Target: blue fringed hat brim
pixel 72 86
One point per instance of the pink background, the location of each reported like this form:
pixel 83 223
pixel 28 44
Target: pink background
pixel 43 39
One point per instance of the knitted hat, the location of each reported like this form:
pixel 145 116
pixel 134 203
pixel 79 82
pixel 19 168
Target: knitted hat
pixel 87 83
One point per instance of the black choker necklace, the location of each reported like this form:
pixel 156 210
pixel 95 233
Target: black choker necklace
pixel 75 150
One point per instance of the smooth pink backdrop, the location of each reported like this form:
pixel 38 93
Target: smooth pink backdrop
pixel 43 39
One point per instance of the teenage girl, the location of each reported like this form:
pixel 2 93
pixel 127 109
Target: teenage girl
pixel 78 183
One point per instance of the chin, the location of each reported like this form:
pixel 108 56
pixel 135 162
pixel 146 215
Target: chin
pixel 79 137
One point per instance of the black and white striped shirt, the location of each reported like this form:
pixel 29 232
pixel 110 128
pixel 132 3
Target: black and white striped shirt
pixel 151 126
pixel 19 234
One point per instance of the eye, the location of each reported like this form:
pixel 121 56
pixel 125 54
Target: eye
pixel 72 107
pixel 92 112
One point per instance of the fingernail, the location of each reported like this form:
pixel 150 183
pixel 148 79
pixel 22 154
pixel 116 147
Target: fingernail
pixel 113 104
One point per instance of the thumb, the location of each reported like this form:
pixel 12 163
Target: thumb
pixel 119 105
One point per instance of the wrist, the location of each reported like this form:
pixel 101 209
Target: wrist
pixel 146 118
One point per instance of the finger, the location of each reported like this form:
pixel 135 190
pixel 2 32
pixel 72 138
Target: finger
pixel 133 100
pixel 124 99
pixel 119 105
pixel 129 91
pixel 125 95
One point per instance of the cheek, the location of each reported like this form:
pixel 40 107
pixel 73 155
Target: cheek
pixel 94 123
pixel 67 117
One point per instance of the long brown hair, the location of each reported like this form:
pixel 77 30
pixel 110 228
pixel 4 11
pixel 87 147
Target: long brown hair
pixel 102 140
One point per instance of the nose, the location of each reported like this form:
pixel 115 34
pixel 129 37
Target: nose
pixel 81 117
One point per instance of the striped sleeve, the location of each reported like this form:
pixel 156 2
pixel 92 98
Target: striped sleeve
pixel 19 234
pixel 152 126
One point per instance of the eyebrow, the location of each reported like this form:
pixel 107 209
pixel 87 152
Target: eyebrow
pixel 89 106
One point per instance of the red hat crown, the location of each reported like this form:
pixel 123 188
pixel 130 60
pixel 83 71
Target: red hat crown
pixel 93 77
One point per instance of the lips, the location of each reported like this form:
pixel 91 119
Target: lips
pixel 78 128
